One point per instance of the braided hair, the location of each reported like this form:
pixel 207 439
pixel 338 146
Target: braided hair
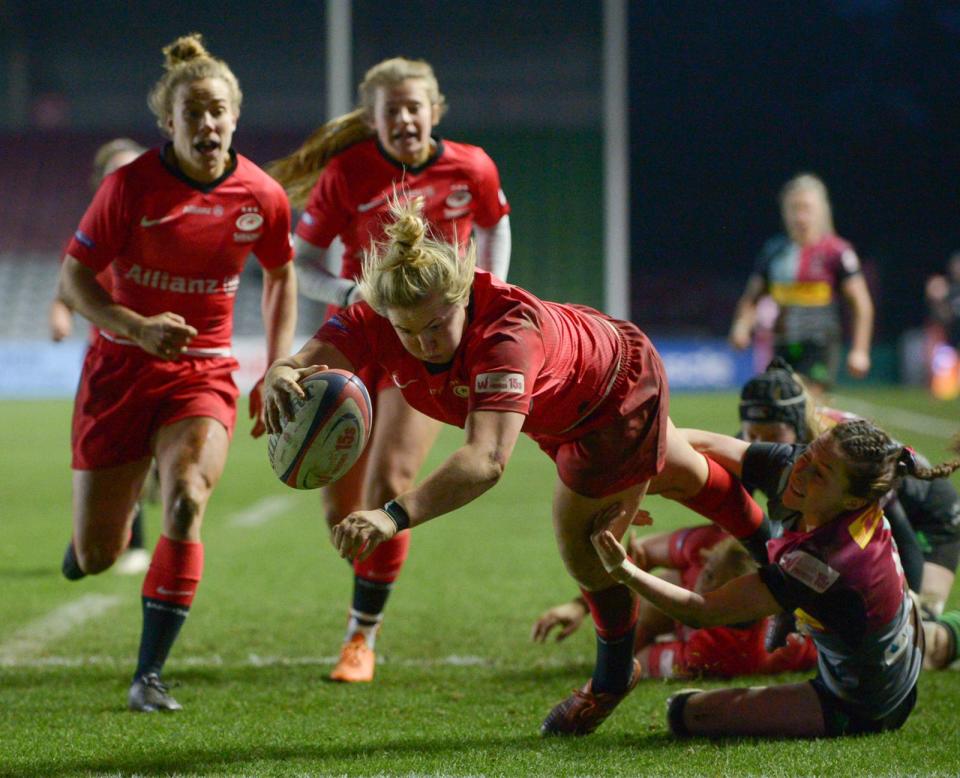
pixel 875 462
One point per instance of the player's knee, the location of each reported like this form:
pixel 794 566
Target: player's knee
pixel 588 574
pixel 188 499
pixel 95 559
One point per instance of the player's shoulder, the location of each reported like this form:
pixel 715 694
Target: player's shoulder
pixel 465 154
pixel 144 171
pixel 360 155
pixel 260 184
pixel 835 246
pixel 772 248
pixel 502 307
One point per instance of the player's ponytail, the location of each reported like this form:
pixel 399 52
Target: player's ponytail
pixel 412 264
pixel 299 171
pixel 875 462
pixel 186 60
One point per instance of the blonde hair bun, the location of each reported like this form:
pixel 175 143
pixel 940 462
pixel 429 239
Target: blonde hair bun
pixel 183 49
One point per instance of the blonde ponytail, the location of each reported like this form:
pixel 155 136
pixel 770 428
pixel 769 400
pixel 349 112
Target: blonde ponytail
pixel 298 172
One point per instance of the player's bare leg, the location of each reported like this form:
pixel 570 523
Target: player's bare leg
pixel 401 440
pixel 103 508
pixel 790 710
pixel 612 605
pixel 191 455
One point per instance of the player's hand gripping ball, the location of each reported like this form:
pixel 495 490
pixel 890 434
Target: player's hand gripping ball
pixel 327 432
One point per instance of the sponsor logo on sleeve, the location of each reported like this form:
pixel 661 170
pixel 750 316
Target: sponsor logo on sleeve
pixel 809 570
pixel 499 383
pixel 84 239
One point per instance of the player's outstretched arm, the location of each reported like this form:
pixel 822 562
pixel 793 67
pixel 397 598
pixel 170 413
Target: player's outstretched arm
pixel 466 474
pixel 744 599
pixel 726 451
pixel 565 618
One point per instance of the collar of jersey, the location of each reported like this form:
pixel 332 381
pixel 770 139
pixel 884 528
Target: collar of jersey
pixel 419 168
pixel 178 173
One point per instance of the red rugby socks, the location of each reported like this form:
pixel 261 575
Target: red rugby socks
pixel 614 612
pixel 727 504
pixel 372 582
pixel 168 592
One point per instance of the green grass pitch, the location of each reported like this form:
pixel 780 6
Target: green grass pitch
pixel 460 689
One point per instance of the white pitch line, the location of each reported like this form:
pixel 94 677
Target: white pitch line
pixel 257 660
pixel 261 512
pixel 920 423
pixel 31 638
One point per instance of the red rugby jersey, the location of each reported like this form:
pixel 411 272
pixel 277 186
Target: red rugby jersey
pixel 553 362
pixel 178 245
pixel 460 185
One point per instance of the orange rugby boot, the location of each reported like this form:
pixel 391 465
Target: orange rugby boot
pixel 357 662
pixel 583 711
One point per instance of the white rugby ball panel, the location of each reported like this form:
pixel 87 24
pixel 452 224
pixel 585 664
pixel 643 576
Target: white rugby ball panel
pixel 327 433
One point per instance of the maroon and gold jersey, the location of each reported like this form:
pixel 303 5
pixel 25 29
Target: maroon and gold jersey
pixel 804 281
pixel 460 185
pixel 555 363
pixel 176 245
pixel 846 585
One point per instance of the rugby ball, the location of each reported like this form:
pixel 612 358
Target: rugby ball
pixel 327 433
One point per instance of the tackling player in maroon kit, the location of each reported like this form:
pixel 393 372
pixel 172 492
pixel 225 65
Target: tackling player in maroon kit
pixel 473 351
pixel 344 176
pixel 176 227
pixel 836 568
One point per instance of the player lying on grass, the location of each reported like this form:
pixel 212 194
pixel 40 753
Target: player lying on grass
pixel 837 569
pixel 700 559
pixel 473 351
pixel 924 515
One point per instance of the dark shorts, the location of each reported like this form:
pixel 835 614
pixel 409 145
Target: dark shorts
pixel 813 360
pixel 842 718
pixel 624 442
pixel 126 395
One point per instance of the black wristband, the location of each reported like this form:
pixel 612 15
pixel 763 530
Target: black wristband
pixel 398 514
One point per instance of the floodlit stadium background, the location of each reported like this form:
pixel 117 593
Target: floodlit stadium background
pixel 724 104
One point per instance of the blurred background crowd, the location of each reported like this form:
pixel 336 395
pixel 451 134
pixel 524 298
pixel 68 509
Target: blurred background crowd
pixel 726 103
